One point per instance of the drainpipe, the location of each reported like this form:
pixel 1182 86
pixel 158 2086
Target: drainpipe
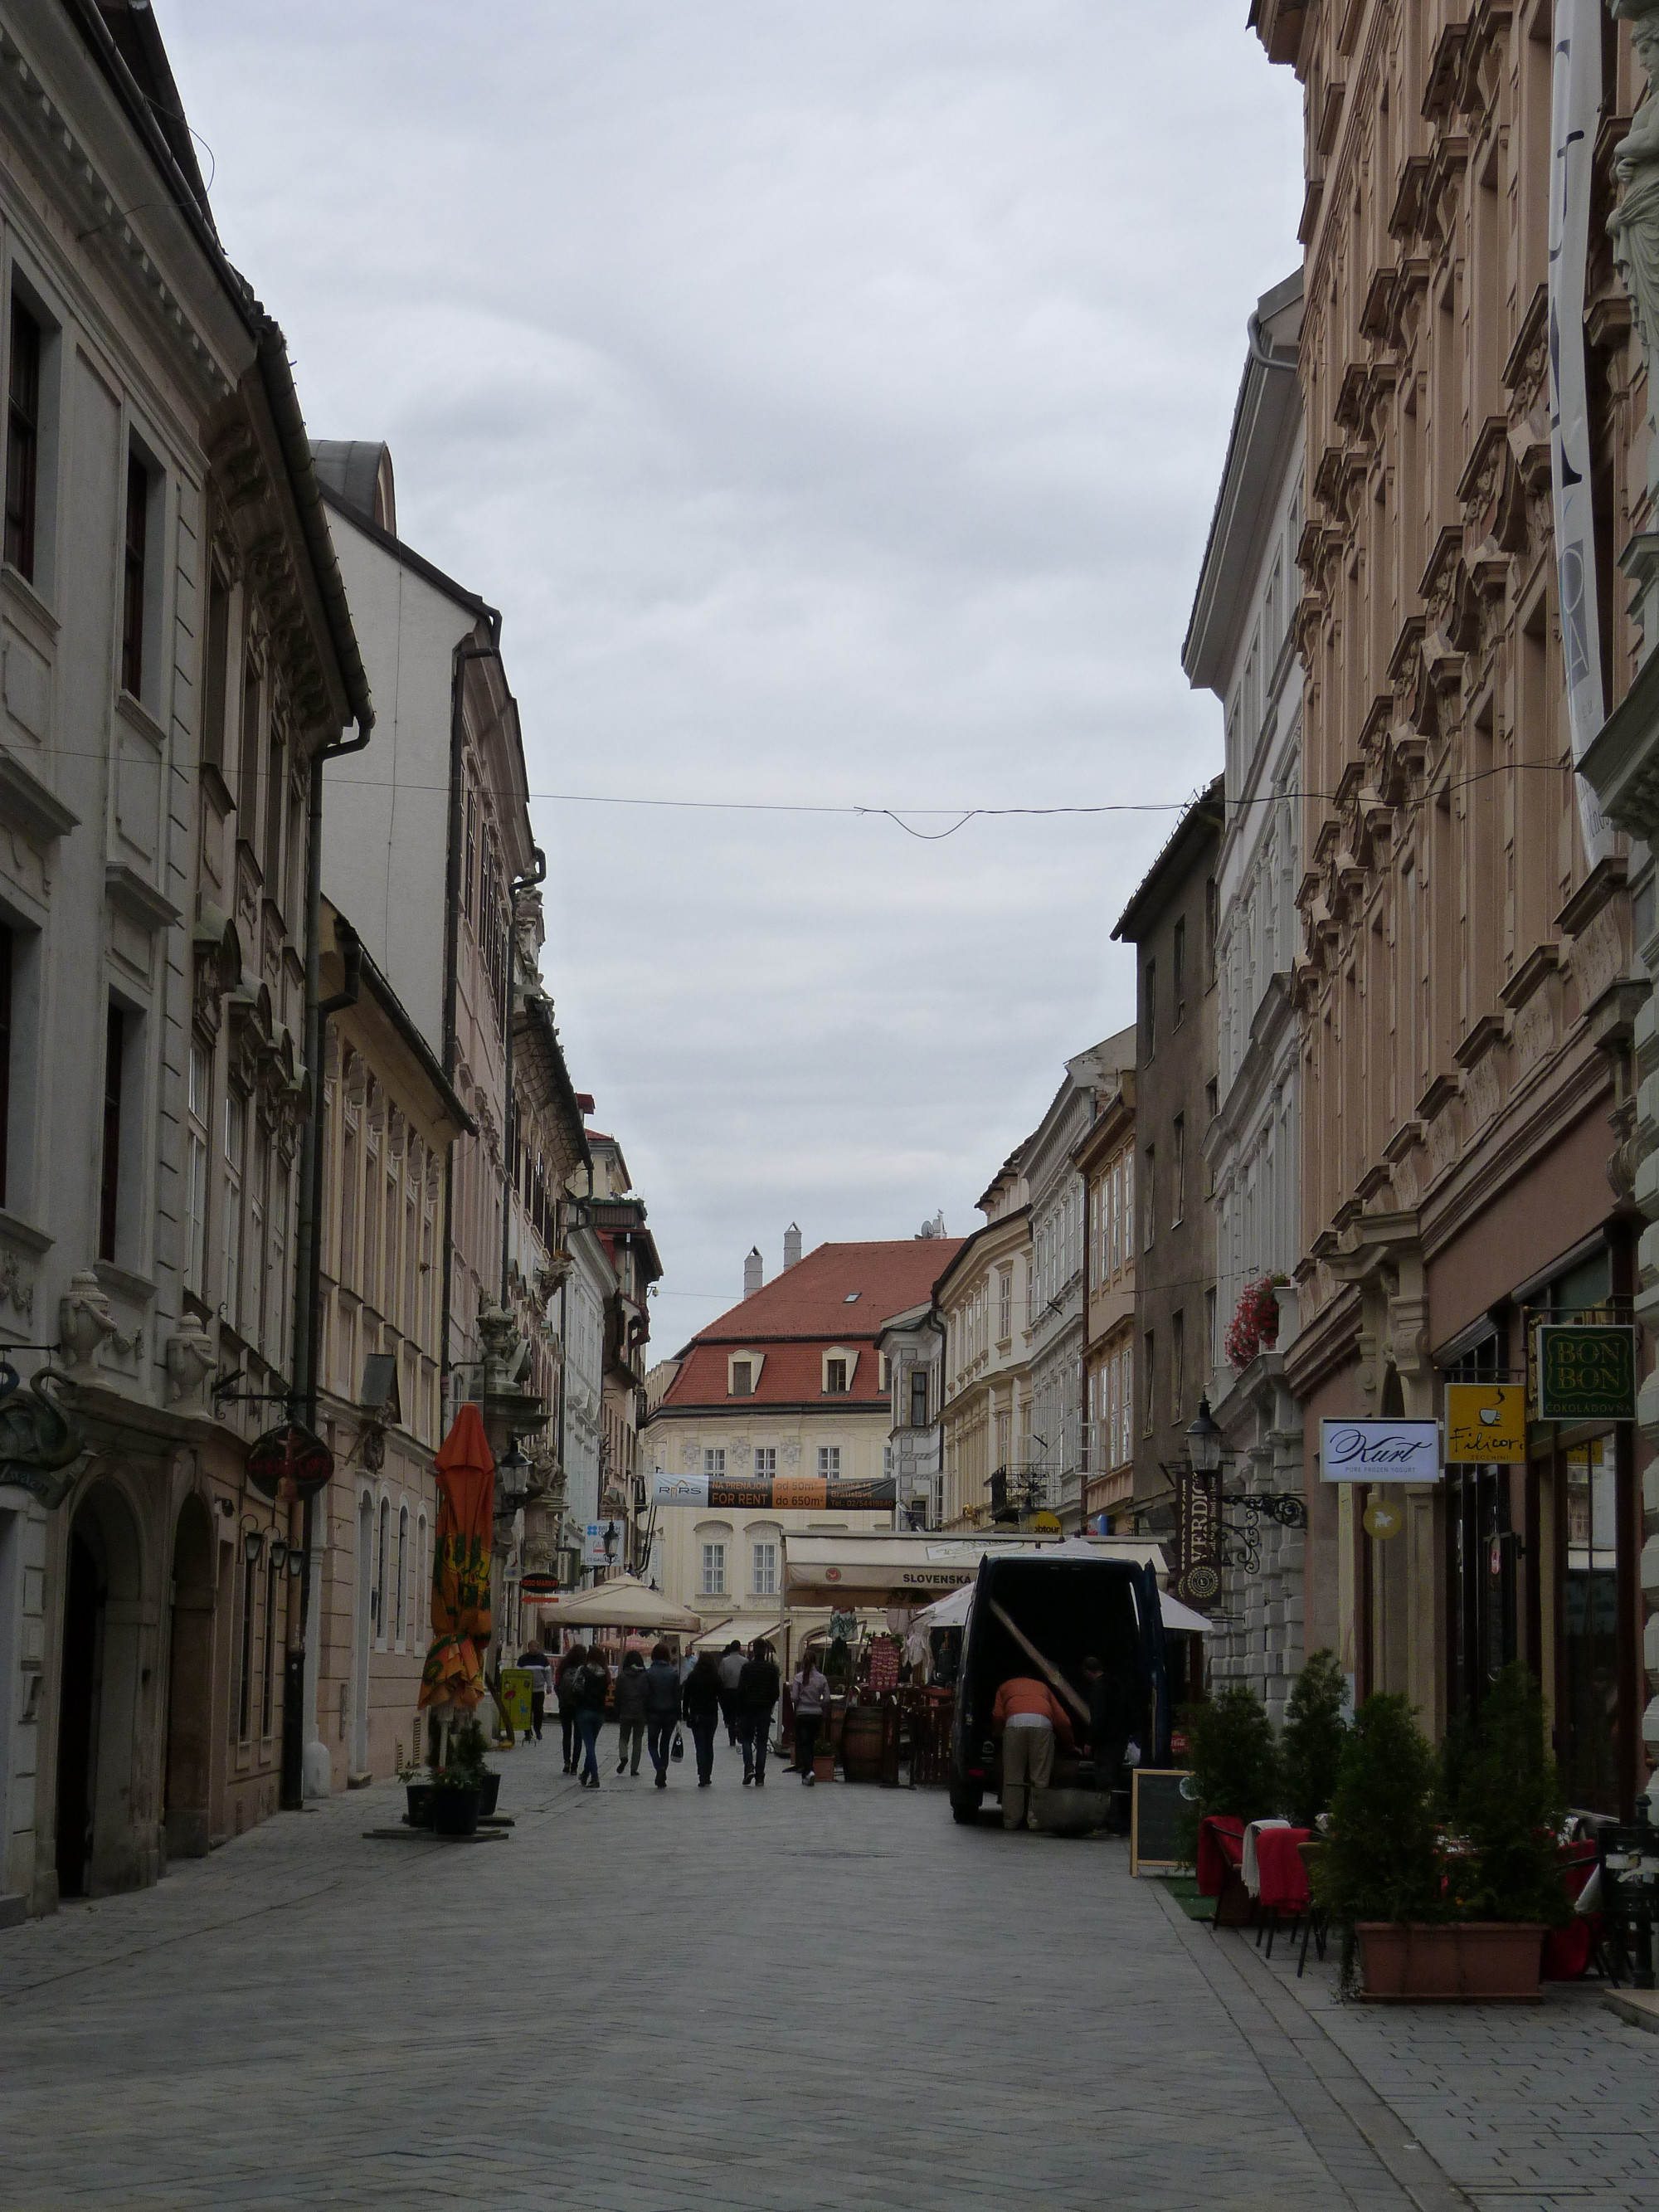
pixel 301 1666
pixel 515 891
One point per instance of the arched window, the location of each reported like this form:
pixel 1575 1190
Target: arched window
pixel 403 1573
pixel 380 1566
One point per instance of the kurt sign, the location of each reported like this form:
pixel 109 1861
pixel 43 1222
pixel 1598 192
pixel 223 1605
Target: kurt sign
pixel 1586 1371
pixel 1379 1451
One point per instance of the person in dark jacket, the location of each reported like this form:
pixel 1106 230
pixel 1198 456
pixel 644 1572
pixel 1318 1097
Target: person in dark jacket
pixel 1110 1725
pixel 662 1708
pixel 758 1689
pixel 592 1689
pixel 566 1678
pixel 631 1710
pixel 731 1663
pixel 701 1701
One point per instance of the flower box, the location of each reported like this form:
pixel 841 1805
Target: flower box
pixel 1464 1962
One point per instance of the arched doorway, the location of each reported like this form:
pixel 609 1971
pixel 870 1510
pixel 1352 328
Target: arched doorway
pixel 190 1685
pixel 97 1706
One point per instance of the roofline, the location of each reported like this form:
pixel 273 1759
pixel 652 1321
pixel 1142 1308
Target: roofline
pixel 429 571
pixel 986 1229
pixel 1207 811
pixel 836 1406
pixel 392 1008
pixel 541 1014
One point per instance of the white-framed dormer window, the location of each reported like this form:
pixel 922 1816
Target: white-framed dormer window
pixel 829 1462
pixel 766 1460
pixel 840 1365
pixel 742 1373
pixel 714 1459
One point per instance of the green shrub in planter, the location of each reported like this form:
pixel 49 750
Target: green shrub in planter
pixel 1384 1859
pixel 1233 1758
pixel 1310 1748
pixel 1508 1806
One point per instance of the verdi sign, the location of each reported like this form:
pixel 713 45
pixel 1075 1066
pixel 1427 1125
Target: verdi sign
pixel 1586 1371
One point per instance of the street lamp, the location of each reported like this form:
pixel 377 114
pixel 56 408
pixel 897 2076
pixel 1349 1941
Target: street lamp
pixel 278 1554
pixel 1204 1441
pixel 609 1543
pixel 253 1538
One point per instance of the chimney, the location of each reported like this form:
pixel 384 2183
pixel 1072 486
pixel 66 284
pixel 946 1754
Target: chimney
pixel 792 1246
pixel 754 1272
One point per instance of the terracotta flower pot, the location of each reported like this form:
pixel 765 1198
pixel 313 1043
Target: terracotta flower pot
pixel 824 1766
pixel 1466 1962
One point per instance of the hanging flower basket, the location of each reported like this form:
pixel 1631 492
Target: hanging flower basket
pixel 1254 1327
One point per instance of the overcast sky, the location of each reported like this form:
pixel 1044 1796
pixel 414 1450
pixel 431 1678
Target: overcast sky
pixel 832 398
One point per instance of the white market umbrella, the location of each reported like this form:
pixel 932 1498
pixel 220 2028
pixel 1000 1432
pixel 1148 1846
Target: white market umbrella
pixel 624 1603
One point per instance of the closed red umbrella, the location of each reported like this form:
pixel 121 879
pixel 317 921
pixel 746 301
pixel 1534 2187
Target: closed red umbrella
pixel 460 1566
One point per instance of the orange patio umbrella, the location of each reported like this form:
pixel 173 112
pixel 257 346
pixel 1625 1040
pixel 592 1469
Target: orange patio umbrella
pixel 460 1566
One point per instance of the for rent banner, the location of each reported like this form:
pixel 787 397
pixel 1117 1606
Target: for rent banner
pixel 779 1491
pixel 1575 113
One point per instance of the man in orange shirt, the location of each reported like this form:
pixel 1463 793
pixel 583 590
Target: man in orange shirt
pixel 1028 1720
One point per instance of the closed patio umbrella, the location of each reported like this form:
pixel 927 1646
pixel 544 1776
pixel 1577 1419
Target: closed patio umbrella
pixel 460 1566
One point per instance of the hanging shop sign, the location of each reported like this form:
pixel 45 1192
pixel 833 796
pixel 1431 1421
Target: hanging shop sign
pixel 289 1464
pixel 1383 1520
pixel 1379 1451
pixel 1485 1422
pixel 778 1491
pixel 593 1535
pixel 1586 1371
pixel 1198 1535
pixel 539 1586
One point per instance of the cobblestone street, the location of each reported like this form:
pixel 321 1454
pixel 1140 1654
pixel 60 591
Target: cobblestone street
pixel 645 2001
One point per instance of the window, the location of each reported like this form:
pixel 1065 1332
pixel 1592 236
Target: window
pixel 7 956
pixel 1179 977
pixel 714 1571
pixel 766 1460
pixel 1150 996
pixel 196 1171
pixel 471 847
pixel 109 1188
pixel 1005 1304
pixel 245 1671
pixel 274 785
pixel 268 1672
pixel 829 1461
pixel 766 1569
pixel 1150 1197
pixel 216 672
pixel 348 1201
pixel 1177 1362
pixel 403 1571
pixel 918 1397
pixel 132 586
pixel 713 1461
pixel 23 439
pixel 253 1314
pixel 230 1300
pixel 835 1377
pixel 1180 1164
pixel 1148 1379
pixel 1211 912
pixel 742 1378
pixel 247 774
pixel 382 1545
pixel 1212 1349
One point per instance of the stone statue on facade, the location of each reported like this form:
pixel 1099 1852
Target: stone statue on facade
pixel 1634 223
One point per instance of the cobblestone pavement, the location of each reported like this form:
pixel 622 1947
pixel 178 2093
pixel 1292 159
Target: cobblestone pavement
pixel 685 2001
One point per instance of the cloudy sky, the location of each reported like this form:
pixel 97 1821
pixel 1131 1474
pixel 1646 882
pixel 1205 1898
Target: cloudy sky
pixel 832 398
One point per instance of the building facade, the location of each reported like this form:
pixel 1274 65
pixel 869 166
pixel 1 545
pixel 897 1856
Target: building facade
pixel 981 1306
pixel 911 1349
pixel 1241 646
pixel 1465 975
pixel 1106 1161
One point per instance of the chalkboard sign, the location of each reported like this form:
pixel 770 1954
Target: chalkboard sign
pixel 1156 1806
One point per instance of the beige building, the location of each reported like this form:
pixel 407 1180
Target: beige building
pixel 982 1300
pixel 788 1386
pixel 1106 1161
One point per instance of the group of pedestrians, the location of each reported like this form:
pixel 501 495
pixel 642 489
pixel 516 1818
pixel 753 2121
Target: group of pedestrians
pixel 651 1701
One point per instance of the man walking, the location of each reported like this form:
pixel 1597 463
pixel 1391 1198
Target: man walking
pixel 632 1705
pixel 758 1687
pixel 1109 1731
pixel 535 1665
pixel 1028 1720
pixel 810 1692
pixel 731 1664
pixel 662 1708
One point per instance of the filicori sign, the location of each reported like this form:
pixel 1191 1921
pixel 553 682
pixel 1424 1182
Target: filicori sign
pixel 1379 1451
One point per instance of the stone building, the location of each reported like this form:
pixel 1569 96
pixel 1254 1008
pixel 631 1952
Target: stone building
pixel 176 655
pixel 1170 921
pixel 1106 1161
pixel 982 1305
pixel 1465 977
pixel 1241 646
pixel 911 1349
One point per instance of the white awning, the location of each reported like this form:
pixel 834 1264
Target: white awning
pixel 876 1567
pixel 952 1612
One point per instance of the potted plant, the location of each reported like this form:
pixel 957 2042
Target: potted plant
pixel 458 1786
pixel 418 1783
pixel 1254 1327
pixel 1505 1866
pixel 1315 1729
pixel 1236 1771
pixel 1381 1873
pixel 824 1766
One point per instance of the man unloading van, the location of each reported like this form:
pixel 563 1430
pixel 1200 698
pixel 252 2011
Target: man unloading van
pixel 1028 1720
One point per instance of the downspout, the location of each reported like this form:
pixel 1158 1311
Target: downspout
pixel 515 891
pixel 303 1661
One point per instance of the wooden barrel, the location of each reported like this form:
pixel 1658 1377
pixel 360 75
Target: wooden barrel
pixel 860 1743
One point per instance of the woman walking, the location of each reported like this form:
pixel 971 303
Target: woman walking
pixel 566 1677
pixel 592 1688
pixel 631 1710
pixel 811 1692
pixel 662 1708
pixel 700 1699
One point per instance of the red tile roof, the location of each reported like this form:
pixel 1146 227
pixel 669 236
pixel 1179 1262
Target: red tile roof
pixel 793 1319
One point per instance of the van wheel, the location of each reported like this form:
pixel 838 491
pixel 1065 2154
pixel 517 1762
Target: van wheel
pixel 964 1811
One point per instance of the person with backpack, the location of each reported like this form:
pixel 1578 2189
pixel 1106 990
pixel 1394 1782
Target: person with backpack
pixel 566 1677
pixel 593 1691
pixel 758 1689
pixel 701 1703
pixel 662 1708
pixel 732 1665
pixel 630 1709
pixel 810 1692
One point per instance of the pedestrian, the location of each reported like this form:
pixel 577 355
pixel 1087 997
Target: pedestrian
pixel 731 1664
pixel 1109 1729
pixel 592 1689
pixel 630 1709
pixel 700 1700
pixel 566 1681
pixel 758 1687
pixel 811 1692
pixel 662 1708
pixel 535 1663
pixel 1029 1720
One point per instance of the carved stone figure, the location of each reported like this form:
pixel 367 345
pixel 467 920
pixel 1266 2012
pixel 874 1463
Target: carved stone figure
pixel 1634 223
pixel 42 1447
pixel 85 1320
pixel 191 1357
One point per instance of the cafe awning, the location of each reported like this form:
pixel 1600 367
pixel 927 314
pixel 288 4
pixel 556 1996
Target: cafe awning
pixel 735 1630
pixel 952 1611
pixel 875 1567
pixel 624 1603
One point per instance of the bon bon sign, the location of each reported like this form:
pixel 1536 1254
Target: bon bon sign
pixel 1586 1372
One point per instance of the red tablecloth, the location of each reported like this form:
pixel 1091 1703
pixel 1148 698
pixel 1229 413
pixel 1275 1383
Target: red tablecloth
pixel 1284 1876
pixel 1567 1950
pixel 1220 1846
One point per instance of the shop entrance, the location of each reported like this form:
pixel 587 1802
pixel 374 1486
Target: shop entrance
pixel 97 1703
pixel 1481 1592
pixel 190 1685
pixel 1587 1715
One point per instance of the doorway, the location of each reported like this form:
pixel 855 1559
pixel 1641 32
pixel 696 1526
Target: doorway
pixel 362 1635
pixel 96 1847
pixel 190 1685
pixel 77 1715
